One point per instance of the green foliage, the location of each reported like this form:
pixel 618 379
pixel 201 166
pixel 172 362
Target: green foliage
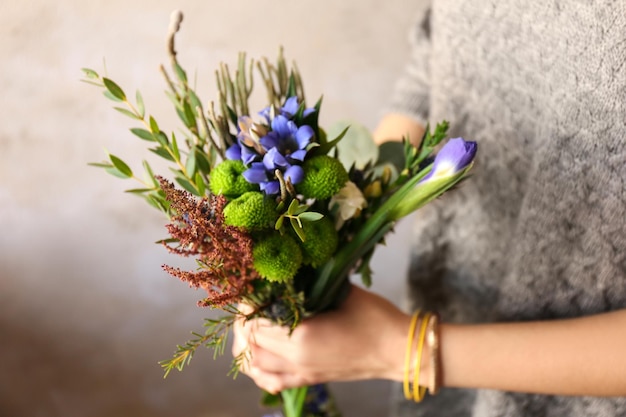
pixel 215 337
pixel 320 241
pixel 276 257
pixel 226 179
pixel 251 211
pixel 324 177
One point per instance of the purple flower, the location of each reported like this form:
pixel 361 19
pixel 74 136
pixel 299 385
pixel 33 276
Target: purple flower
pixel 288 110
pixel 454 157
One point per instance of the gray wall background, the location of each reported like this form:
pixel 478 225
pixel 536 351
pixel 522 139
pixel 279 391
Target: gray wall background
pixel 85 309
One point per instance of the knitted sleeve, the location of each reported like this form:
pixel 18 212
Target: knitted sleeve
pixel 411 92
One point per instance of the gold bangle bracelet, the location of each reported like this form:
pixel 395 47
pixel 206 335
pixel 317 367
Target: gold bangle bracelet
pixel 432 339
pixel 418 390
pixel 407 360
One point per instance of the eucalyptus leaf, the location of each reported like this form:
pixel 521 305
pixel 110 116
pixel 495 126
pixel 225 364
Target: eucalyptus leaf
pixel 140 105
pixel 116 172
pixel 89 73
pixel 100 164
pixel 357 147
pixel 110 96
pixel 279 222
pixel 190 165
pixel 139 190
pixel 392 152
pixel 114 89
pixel 163 153
pixel 174 147
pixel 127 112
pixel 310 216
pixel 200 184
pixel 121 166
pixel 297 227
pixel 180 72
pixel 143 134
pixel 183 182
pixel 291 210
pixel 149 173
pixel 154 126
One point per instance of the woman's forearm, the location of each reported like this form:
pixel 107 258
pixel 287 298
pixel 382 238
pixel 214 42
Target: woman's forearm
pixel 585 356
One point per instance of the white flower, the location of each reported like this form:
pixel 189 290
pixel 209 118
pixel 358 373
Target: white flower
pixel 350 201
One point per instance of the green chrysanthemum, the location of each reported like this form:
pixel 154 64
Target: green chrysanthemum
pixel 323 177
pixel 226 179
pixel 276 257
pixel 251 211
pixel 320 241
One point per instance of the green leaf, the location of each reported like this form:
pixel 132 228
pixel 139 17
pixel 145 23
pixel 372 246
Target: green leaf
pixel 183 182
pixel 391 152
pixel 291 210
pixel 89 73
pixel 163 153
pixel 200 183
pixel 149 173
pixel 190 115
pixel 356 147
pixel 140 106
pixel 202 161
pixel 279 222
pixel 310 216
pixel 114 89
pixel 325 148
pixel 143 134
pixel 175 151
pixel 100 164
pixel 121 166
pixel 127 112
pixel 116 172
pixel 110 96
pixel 154 126
pixel 297 227
pixel 180 72
pixel 139 190
pixel 190 165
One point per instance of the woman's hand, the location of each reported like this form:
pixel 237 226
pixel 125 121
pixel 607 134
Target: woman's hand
pixel 363 339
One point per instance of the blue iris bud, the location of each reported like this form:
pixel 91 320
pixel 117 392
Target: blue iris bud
pixel 451 164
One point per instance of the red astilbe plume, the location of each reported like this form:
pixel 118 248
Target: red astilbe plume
pixel 224 252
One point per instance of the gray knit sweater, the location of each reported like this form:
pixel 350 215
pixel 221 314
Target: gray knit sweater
pixel 539 230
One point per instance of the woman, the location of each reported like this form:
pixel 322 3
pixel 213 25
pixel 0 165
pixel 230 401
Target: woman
pixel 526 262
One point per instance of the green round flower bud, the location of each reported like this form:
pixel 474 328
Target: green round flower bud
pixel 226 179
pixel 320 241
pixel 276 257
pixel 323 177
pixel 252 211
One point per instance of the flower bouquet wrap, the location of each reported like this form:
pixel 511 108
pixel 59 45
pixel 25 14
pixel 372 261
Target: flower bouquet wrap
pixel 276 214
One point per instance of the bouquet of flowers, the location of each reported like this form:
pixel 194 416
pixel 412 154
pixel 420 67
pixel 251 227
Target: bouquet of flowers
pixel 277 217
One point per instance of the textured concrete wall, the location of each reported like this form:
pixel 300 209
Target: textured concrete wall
pixel 85 310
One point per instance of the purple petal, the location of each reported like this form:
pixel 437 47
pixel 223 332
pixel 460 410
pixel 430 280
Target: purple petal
pixel 304 135
pixel 248 155
pixel 298 155
pixel 308 111
pixel 294 173
pixel 234 152
pixel 455 156
pixel 283 126
pixel 256 174
pixel 457 152
pixel 291 107
pixel 270 187
pixel 270 140
pixel 273 158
